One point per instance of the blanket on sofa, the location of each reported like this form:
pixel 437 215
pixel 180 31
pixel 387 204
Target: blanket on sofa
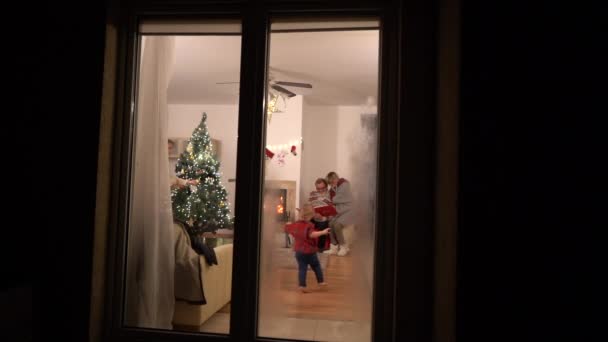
pixel 188 269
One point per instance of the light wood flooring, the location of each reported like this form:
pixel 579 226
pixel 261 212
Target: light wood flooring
pixel 340 311
pixel 333 302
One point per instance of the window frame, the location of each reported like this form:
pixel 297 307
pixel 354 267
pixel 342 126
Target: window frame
pixel 406 147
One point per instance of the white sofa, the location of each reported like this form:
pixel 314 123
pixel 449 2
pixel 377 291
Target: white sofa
pixel 217 284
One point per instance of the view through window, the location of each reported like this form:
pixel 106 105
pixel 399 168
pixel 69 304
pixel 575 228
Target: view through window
pixel 319 191
pixel 318 221
pixel 181 222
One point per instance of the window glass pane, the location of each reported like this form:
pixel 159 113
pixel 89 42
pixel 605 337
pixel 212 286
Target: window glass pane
pixel 320 157
pixel 179 273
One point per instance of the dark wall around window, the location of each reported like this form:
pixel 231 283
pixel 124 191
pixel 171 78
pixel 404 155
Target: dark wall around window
pixel 53 111
pixel 533 130
pixel 532 141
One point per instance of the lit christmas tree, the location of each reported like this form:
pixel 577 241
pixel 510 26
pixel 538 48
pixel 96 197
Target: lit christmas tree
pixel 204 206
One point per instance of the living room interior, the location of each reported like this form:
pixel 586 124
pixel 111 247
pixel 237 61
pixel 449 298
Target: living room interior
pixel 321 117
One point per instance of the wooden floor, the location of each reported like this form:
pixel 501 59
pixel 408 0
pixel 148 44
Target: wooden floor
pixel 341 311
pixel 341 300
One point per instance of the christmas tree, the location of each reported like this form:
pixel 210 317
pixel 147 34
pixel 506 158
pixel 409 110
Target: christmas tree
pixel 203 206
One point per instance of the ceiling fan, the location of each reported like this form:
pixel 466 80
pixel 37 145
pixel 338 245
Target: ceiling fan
pixel 280 90
pixel 279 86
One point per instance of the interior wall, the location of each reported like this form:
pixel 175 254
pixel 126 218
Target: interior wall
pixel 348 133
pixel 319 153
pixel 334 140
pixel 282 128
pixel 222 123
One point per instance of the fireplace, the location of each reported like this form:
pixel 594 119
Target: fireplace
pixel 278 203
pixel 279 208
pixel 280 200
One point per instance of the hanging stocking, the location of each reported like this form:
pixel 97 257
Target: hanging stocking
pixel 268 153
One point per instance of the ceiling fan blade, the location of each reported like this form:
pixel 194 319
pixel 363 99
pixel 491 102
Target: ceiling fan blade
pixel 295 84
pixel 283 90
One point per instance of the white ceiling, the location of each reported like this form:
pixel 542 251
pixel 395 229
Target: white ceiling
pixel 342 66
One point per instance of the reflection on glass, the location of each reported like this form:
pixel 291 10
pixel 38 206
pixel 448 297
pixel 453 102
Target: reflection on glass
pixel 179 251
pixel 320 172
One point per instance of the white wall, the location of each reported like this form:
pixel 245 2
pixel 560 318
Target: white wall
pixel 319 152
pixel 222 123
pixel 349 128
pixel 332 142
pixel 285 127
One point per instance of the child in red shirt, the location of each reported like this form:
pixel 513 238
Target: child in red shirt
pixel 305 246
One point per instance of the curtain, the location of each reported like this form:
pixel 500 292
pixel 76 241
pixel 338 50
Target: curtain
pixel 150 296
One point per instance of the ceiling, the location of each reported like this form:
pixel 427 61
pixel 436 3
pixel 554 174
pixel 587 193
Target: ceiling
pixel 342 66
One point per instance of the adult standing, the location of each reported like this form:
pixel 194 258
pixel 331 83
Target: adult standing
pixel 341 196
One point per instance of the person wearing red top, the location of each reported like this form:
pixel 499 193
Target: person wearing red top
pixel 305 246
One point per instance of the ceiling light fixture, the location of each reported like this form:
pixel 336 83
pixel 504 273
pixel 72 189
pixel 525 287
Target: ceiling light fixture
pixel 273 104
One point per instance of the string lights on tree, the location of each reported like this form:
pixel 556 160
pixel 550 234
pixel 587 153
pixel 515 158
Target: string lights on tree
pixel 205 205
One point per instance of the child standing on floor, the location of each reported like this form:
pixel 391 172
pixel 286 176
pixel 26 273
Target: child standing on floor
pixel 305 246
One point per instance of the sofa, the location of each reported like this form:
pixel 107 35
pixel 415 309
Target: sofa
pixel 216 282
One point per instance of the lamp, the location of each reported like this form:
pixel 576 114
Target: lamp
pixel 273 105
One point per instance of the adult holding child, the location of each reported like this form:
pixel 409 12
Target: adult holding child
pixel 323 210
pixel 342 198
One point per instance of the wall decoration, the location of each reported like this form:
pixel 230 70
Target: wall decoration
pixel 281 151
pixel 289 146
pixel 174 147
pixel 281 158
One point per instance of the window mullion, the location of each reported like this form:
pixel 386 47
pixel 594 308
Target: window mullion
pixel 249 174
